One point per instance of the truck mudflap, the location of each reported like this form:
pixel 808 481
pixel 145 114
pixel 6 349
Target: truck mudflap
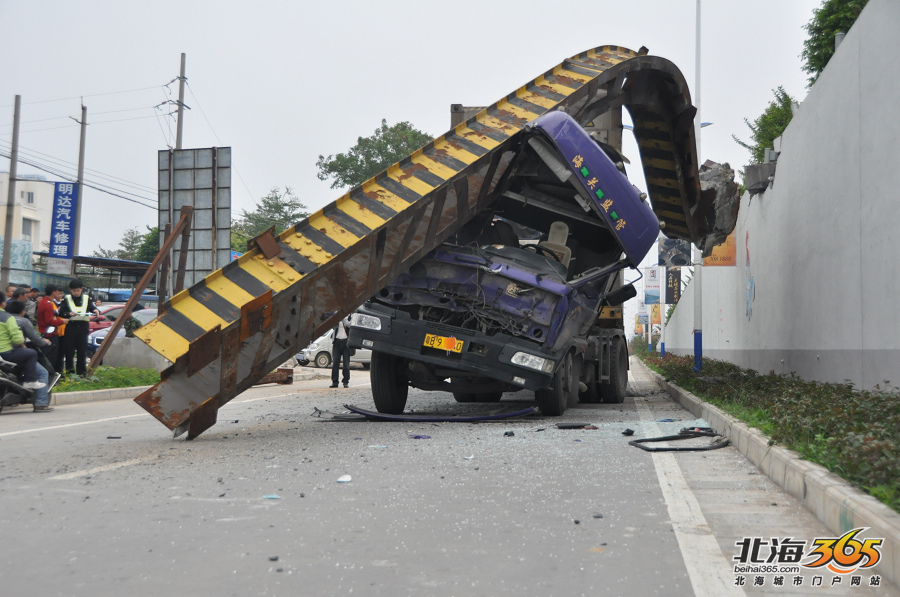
pixel 242 321
pixel 475 354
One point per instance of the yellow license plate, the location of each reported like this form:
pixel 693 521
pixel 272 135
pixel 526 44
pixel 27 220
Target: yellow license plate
pixel 443 343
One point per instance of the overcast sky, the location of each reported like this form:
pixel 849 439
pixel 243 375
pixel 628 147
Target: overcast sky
pixel 282 82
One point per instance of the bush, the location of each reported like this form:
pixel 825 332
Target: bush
pixel 854 434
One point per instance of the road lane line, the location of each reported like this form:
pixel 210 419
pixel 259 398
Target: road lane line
pixel 709 571
pixel 52 427
pixel 20 432
pixel 97 469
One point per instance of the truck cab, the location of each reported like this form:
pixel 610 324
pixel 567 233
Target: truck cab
pixel 512 300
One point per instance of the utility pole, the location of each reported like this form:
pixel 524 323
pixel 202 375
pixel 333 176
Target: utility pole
pixel 698 254
pixel 181 80
pixel 80 184
pixel 10 199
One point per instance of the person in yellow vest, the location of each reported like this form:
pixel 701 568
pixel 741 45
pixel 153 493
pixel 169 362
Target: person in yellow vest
pixel 78 309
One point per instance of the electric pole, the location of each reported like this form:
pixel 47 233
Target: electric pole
pixel 80 184
pixel 181 80
pixel 10 199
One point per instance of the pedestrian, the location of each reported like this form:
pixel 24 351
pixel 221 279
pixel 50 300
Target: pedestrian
pixel 76 308
pixel 38 343
pixel 31 303
pixel 51 326
pixel 340 349
pixel 12 349
pixel 9 291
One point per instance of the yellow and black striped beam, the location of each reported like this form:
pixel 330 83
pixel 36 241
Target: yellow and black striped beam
pixel 227 331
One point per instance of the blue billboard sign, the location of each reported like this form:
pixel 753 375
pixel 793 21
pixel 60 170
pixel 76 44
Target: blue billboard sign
pixel 62 224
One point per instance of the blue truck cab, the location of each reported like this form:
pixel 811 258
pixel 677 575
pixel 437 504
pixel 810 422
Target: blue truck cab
pixel 512 300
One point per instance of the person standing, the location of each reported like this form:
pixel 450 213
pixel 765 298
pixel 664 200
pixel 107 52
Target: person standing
pixel 31 303
pixel 49 324
pixel 76 308
pixel 340 349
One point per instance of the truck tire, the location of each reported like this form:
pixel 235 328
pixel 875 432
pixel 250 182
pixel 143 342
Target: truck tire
pixel 390 387
pixel 592 394
pixel 614 391
pixel 553 401
pixel 323 360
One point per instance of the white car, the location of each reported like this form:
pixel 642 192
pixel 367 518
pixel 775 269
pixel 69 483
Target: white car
pixel 145 316
pixel 319 353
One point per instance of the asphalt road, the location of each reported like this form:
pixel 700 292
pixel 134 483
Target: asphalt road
pixel 97 499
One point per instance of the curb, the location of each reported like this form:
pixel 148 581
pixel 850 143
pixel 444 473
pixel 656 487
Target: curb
pixel 835 502
pixel 61 398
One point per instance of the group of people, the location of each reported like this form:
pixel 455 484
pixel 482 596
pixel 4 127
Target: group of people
pixel 62 321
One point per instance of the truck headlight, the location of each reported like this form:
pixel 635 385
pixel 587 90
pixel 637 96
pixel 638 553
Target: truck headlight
pixel 530 361
pixel 368 322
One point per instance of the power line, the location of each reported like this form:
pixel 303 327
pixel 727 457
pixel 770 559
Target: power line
pixel 78 97
pixel 96 173
pixel 93 114
pixel 209 124
pixel 70 178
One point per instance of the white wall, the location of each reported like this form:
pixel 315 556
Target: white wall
pixel 824 252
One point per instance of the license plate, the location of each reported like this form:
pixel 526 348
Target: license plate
pixel 449 344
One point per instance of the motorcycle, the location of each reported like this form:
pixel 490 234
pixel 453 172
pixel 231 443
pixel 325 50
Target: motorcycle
pixel 12 392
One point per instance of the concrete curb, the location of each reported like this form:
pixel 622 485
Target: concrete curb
pixel 59 399
pixel 834 501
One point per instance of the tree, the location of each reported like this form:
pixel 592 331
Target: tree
pixel 387 146
pixel 832 17
pixel 278 209
pixel 134 246
pixel 769 126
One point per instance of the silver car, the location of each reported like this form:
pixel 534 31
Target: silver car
pixel 319 353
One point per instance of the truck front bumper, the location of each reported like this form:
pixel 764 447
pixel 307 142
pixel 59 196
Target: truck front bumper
pixel 481 355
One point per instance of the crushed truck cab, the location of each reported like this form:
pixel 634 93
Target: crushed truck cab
pixel 512 300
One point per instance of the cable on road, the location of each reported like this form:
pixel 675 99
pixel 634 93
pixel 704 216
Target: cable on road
pixel 686 433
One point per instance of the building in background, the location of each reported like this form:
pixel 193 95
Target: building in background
pixel 33 208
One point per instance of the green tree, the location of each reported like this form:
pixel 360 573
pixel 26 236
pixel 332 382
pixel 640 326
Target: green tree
pixel 134 246
pixel 833 16
pixel 769 126
pixel 278 209
pixel 371 155
pixel 149 245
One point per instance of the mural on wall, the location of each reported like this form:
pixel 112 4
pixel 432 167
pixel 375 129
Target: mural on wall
pixel 750 284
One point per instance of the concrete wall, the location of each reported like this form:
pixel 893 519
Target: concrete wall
pixel 820 248
pixel 132 352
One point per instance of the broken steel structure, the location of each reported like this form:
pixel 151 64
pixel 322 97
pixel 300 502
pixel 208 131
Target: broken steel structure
pixel 228 331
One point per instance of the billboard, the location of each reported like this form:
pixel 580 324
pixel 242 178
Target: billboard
pixel 651 286
pixel 673 285
pixel 638 328
pixel 655 314
pixel 724 254
pixel 62 228
pixel 674 252
pixel 200 178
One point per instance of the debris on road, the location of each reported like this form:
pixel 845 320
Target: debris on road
pixel 574 426
pixel 441 418
pixel 419 437
pixel 509 434
pixel 344 479
pixel 686 433
pixel 113 437
pixel 273 558
pixel 272 496
pixel 628 432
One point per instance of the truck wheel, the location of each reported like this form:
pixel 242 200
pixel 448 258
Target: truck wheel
pixel 614 391
pixel 592 394
pixel 553 401
pixel 323 360
pixel 390 387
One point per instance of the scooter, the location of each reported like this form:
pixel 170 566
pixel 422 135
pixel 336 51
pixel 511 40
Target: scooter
pixel 12 392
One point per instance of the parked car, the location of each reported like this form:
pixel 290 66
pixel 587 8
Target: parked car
pixel 319 353
pixel 95 338
pixel 108 314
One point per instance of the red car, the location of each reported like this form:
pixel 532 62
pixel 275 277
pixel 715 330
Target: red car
pixel 108 314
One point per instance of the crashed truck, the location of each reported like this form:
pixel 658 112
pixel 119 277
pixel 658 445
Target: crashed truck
pixel 488 257
pixel 512 301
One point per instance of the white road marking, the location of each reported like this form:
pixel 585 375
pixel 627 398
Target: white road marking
pixel 98 469
pixel 20 432
pixel 707 567
pixel 63 426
